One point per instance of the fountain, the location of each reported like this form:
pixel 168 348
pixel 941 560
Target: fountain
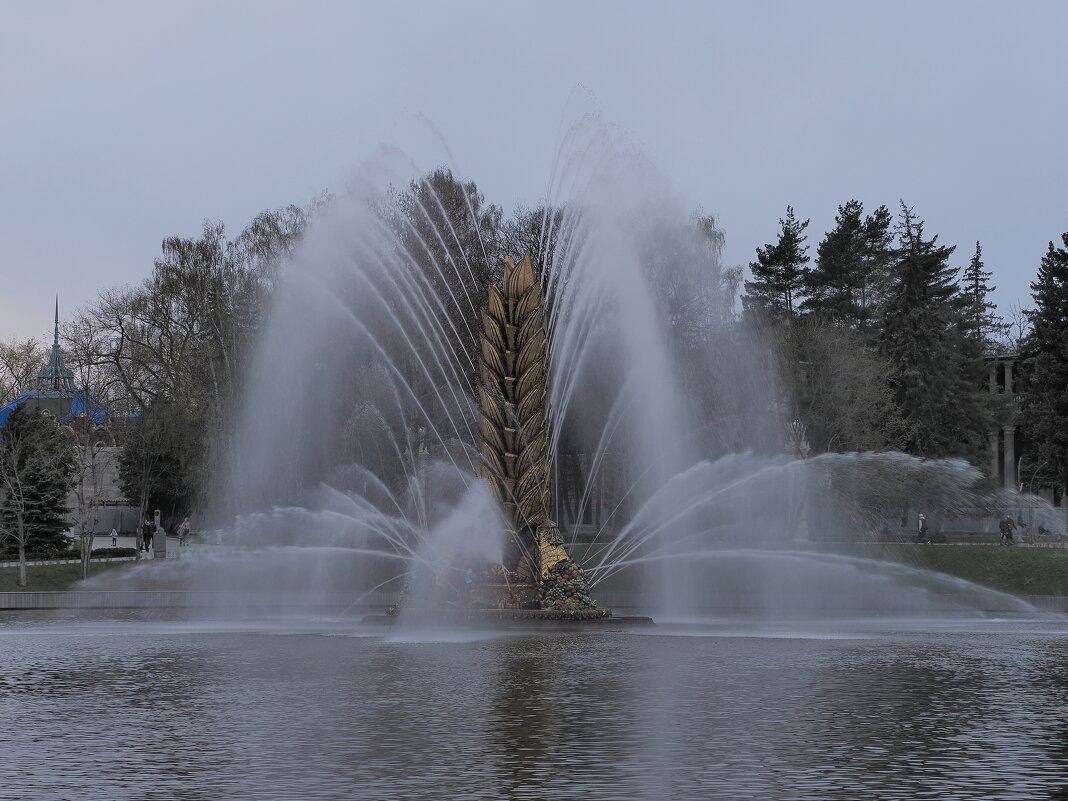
pixel 514 434
pixel 402 431
pixel 420 383
pixel 537 579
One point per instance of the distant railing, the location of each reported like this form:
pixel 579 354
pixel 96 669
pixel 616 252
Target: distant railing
pixel 67 560
pixel 172 599
pixel 1054 520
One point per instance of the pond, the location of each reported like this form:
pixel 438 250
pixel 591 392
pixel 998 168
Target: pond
pixel 150 706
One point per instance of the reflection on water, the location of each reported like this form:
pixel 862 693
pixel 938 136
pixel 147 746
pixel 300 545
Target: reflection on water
pixel 149 708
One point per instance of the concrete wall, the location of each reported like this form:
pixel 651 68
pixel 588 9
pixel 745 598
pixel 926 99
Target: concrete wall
pixel 159 599
pixel 114 510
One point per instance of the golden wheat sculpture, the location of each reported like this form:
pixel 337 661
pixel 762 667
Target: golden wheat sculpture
pixel 514 433
pixel 513 395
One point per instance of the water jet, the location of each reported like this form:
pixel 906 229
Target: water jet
pixel 525 435
pixel 537 582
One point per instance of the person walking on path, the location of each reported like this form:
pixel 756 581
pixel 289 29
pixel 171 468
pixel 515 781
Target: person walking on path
pixel 146 535
pixel 1007 530
pixel 921 529
pixel 114 538
pixel 183 531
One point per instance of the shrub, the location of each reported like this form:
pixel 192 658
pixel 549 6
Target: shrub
pixel 98 553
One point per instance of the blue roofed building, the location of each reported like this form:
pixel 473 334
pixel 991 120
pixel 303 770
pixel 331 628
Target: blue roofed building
pixel 55 391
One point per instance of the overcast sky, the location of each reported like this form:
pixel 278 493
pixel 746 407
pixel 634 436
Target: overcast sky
pixel 123 123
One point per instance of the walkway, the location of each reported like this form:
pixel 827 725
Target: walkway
pixel 103 541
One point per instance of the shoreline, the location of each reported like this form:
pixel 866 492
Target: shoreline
pixel 206 599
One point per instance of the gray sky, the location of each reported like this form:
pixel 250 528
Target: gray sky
pixel 123 123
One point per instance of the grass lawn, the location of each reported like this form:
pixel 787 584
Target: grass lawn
pixel 1021 571
pixel 1016 570
pixel 51 577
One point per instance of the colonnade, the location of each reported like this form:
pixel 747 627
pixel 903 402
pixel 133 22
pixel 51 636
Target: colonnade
pixel 1003 450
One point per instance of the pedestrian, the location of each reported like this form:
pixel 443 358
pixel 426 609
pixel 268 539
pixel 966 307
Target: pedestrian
pixel 146 535
pixel 921 529
pixel 1008 529
pixel 183 531
pixel 114 538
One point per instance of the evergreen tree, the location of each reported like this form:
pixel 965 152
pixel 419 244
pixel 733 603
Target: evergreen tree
pixel 1045 408
pixel 877 253
pixel 833 284
pixel 848 283
pixel 36 469
pixel 933 376
pixel 779 273
pixel 981 322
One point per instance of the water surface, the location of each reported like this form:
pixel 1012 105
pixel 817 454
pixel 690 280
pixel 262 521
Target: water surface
pixel 127 706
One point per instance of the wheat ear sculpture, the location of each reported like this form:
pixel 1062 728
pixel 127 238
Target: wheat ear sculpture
pixel 513 396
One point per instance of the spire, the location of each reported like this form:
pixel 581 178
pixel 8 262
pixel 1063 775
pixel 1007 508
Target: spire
pixel 55 377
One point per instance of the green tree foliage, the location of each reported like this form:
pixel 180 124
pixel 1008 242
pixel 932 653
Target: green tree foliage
pixel 779 273
pixel 1045 408
pixel 36 469
pixel 876 256
pixel 936 381
pixel 845 285
pixel 832 380
pixel 982 325
pixel 833 283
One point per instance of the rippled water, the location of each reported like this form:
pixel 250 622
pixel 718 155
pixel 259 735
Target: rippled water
pixel 149 708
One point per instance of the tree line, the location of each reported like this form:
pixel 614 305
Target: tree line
pixel 884 342
pixel 163 361
pixel 879 339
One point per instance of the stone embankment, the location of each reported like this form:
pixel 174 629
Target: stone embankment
pixel 181 599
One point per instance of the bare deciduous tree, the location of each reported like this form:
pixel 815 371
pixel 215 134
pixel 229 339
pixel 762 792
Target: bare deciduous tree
pixel 1017 327
pixel 20 359
pixel 839 387
pixel 91 429
pixel 177 347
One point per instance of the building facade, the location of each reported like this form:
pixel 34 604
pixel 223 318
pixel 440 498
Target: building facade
pixel 56 393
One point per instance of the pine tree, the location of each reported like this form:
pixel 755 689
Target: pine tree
pixel 876 255
pixel 981 322
pixel 933 375
pixel 777 288
pixel 834 282
pixel 1045 407
pixel 36 470
pixel 848 283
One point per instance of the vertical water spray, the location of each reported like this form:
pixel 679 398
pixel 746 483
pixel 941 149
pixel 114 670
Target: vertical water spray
pixel 604 384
